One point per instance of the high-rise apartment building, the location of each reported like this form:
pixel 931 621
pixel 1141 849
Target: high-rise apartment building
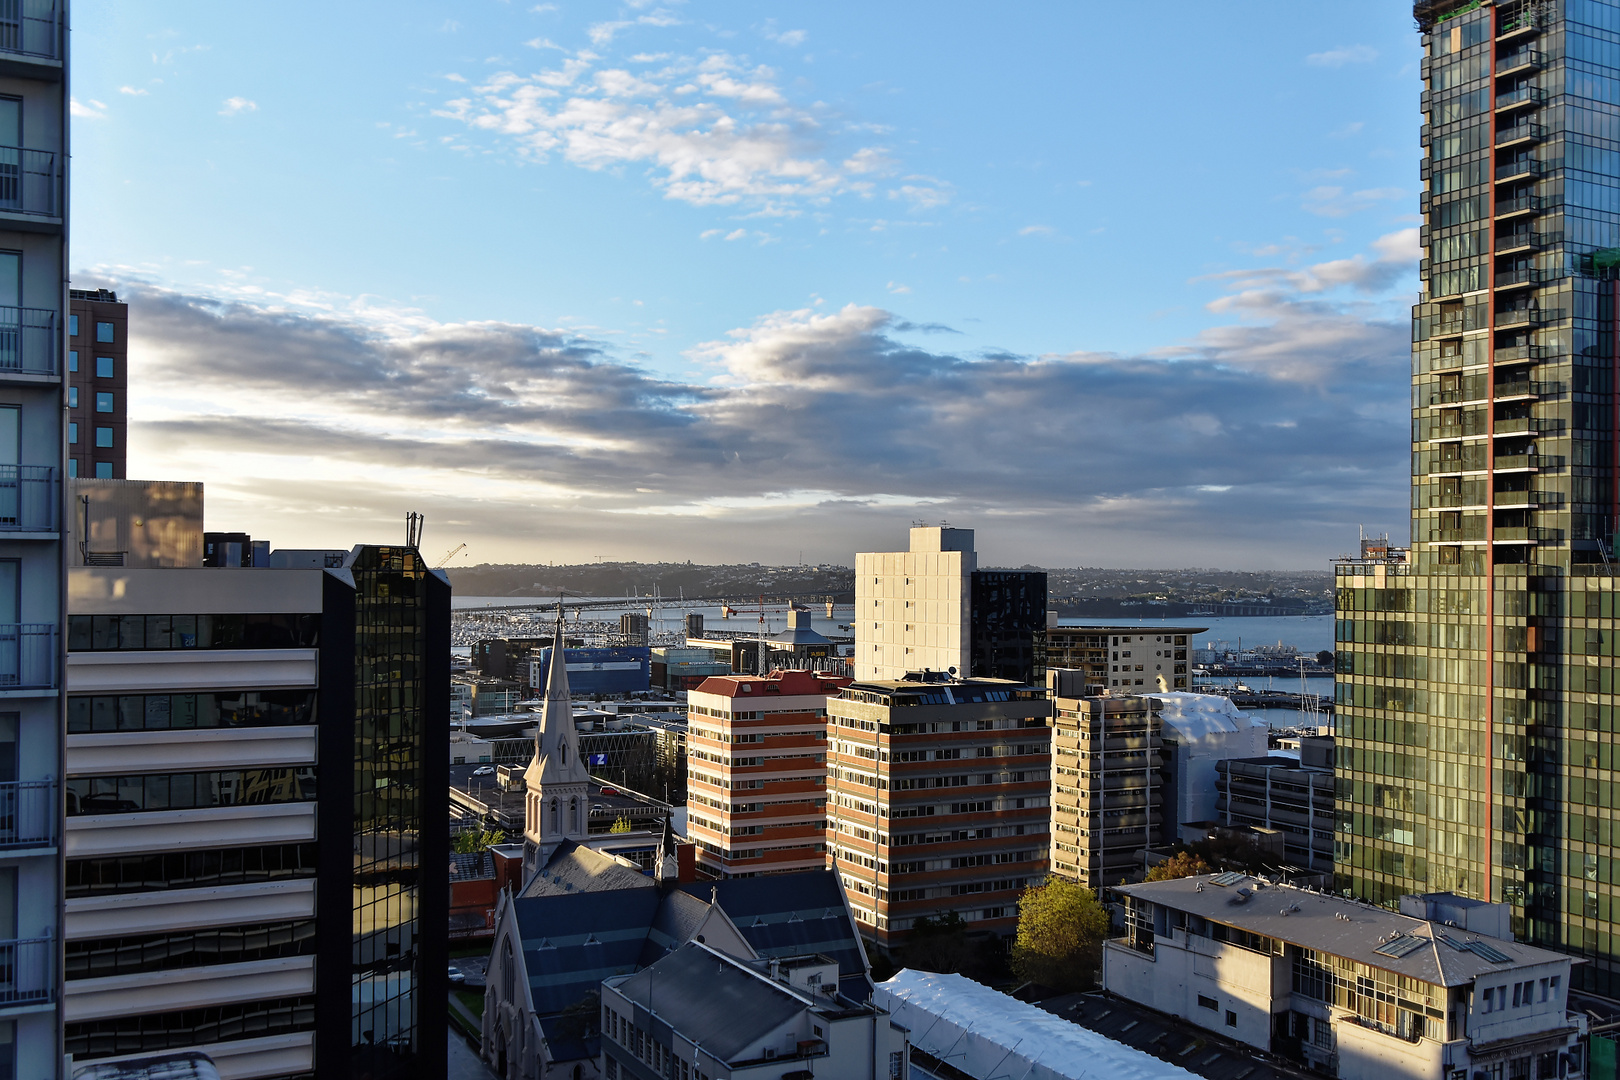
pixel 932 609
pixel 33 327
pixel 1107 785
pixel 254 867
pixel 1475 693
pixel 937 799
pixel 756 781
pixel 1124 659
pixel 98 379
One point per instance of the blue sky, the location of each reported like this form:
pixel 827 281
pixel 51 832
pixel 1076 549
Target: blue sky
pixel 711 281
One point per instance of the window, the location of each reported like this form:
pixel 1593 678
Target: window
pixel 1207 1002
pixel 104 470
pixel 104 331
pixel 73 358
pixel 104 402
pixel 73 397
pixel 73 331
pixel 73 464
pixel 1231 1018
pixel 73 432
pixel 104 367
pixel 104 437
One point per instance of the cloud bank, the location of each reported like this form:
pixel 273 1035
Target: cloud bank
pixel 1263 442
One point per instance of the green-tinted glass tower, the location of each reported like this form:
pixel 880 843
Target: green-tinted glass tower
pixel 1476 707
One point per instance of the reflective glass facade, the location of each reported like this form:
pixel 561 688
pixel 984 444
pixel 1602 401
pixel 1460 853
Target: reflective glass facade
pixel 1475 681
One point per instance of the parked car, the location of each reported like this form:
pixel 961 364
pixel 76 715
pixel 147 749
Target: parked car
pixel 456 977
pixel 484 770
pixel 608 791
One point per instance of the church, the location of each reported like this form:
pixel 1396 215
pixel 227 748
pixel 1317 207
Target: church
pixel 584 915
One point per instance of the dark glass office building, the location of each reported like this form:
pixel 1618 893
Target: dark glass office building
pixel 1007 635
pixel 1476 675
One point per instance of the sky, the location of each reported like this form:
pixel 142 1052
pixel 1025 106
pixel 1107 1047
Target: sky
pixel 763 282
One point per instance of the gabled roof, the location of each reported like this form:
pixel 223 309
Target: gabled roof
pixel 575 868
pixel 572 942
pixel 718 1003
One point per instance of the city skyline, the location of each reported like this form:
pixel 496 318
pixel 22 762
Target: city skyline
pixel 1177 330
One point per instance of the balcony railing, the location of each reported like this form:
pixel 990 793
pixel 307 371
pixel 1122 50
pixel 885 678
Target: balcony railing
pixel 27 813
pixel 1527 534
pixel 1524 275
pixel 1527 498
pixel 27 498
pixel 1522 167
pixel 1519 61
pixel 1527 20
pixel 27 970
pixel 1521 388
pixel 30 182
pixel 1528 316
pixel 1511 462
pixel 1519 132
pixel 27 656
pixel 1521 239
pixel 30 27
pixel 1508 354
pixel 1524 204
pixel 1524 95
pixel 28 344
pixel 1527 424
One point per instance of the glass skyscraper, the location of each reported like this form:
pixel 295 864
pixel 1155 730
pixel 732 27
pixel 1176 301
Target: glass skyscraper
pixel 1476 708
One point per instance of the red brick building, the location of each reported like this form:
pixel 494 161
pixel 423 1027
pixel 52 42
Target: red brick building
pixel 98 384
pixel 756 751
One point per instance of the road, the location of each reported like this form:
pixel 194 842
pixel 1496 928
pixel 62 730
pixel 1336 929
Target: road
pixel 464 1063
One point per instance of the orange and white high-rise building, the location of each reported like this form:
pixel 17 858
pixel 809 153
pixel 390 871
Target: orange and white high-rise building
pixel 756 750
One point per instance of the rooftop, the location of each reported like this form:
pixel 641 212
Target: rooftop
pixel 1430 952
pixel 1099 628
pixel 785 683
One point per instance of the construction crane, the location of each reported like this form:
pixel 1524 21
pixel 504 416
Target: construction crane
pixel 452 553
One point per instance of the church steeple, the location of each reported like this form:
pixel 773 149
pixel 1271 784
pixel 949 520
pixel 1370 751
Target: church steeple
pixel 556 808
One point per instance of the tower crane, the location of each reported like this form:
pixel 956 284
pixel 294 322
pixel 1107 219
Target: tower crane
pixel 452 553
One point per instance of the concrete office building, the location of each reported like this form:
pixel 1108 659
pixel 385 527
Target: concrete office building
pixel 1292 794
pixel 207 708
pixel 932 608
pixel 937 799
pixel 98 381
pixel 705 1011
pixel 33 334
pixel 1125 659
pixel 756 752
pixel 1436 990
pixel 1107 784
pixel 1475 690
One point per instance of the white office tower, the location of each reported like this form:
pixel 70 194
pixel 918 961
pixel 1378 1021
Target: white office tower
pixel 33 351
pixel 913 608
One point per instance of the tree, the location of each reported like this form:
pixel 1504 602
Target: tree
pixel 473 841
pixel 1181 864
pixel 1325 657
pixel 1060 928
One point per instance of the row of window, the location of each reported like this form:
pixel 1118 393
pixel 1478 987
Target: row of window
pixel 189 791
pixel 104 400
pixel 104 435
pixel 189 869
pixel 165 712
pixel 103 470
pixel 268 630
pixel 188 948
pixel 104 330
pixel 147 1032
pixel 106 367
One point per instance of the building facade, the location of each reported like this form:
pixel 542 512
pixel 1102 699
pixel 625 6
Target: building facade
pixel 1353 991
pixel 756 752
pixel 913 609
pixel 937 800
pixel 205 710
pixel 1123 658
pixel 1107 786
pixel 1293 796
pixel 33 340
pixel 1007 626
pixel 1475 697
pixel 98 381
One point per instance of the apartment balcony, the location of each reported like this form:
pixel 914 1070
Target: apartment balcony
pixel 1514 353
pixel 1529 317
pixel 1525 389
pixel 1457 397
pixel 1522 25
pixel 1528 499
pixel 1523 277
pixel 1514 134
pixel 1520 98
pixel 1522 425
pixel 28 499
pixel 1523 169
pixel 28 656
pixel 27 971
pixel 1457 536
pixel 1523 60
pixel 31 39
pixel 1527 462
pixel 1526 240
pixel 1527 534
pixel 28 342
pixel 28 814
pixel 30 189
pixel 1523 205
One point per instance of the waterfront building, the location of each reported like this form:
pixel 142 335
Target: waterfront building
pixel 937 799
pixel 200 812
pixel 1475 690
pixel 1107 785
pixel 1293 795
pixel 98 381
pixel 33 339
pixel 1124 659
pixel 706 1011
pixel 930 608
pixel 756 780
pixel 1436 990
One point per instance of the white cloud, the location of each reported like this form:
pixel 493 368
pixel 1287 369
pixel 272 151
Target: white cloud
pixel 1335 202
pixel 132 91
pixel 1036 230
pixel 898 289
pixel 791 38
pixel 235 106
pixel 1344 54
pixel 90 110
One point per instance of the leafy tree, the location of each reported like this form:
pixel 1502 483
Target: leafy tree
pixel 1181 864
pixel 1060 928
pixel 473 841
pixel 1325 657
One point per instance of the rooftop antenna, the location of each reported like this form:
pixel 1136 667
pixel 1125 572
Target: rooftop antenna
pixel 413 529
